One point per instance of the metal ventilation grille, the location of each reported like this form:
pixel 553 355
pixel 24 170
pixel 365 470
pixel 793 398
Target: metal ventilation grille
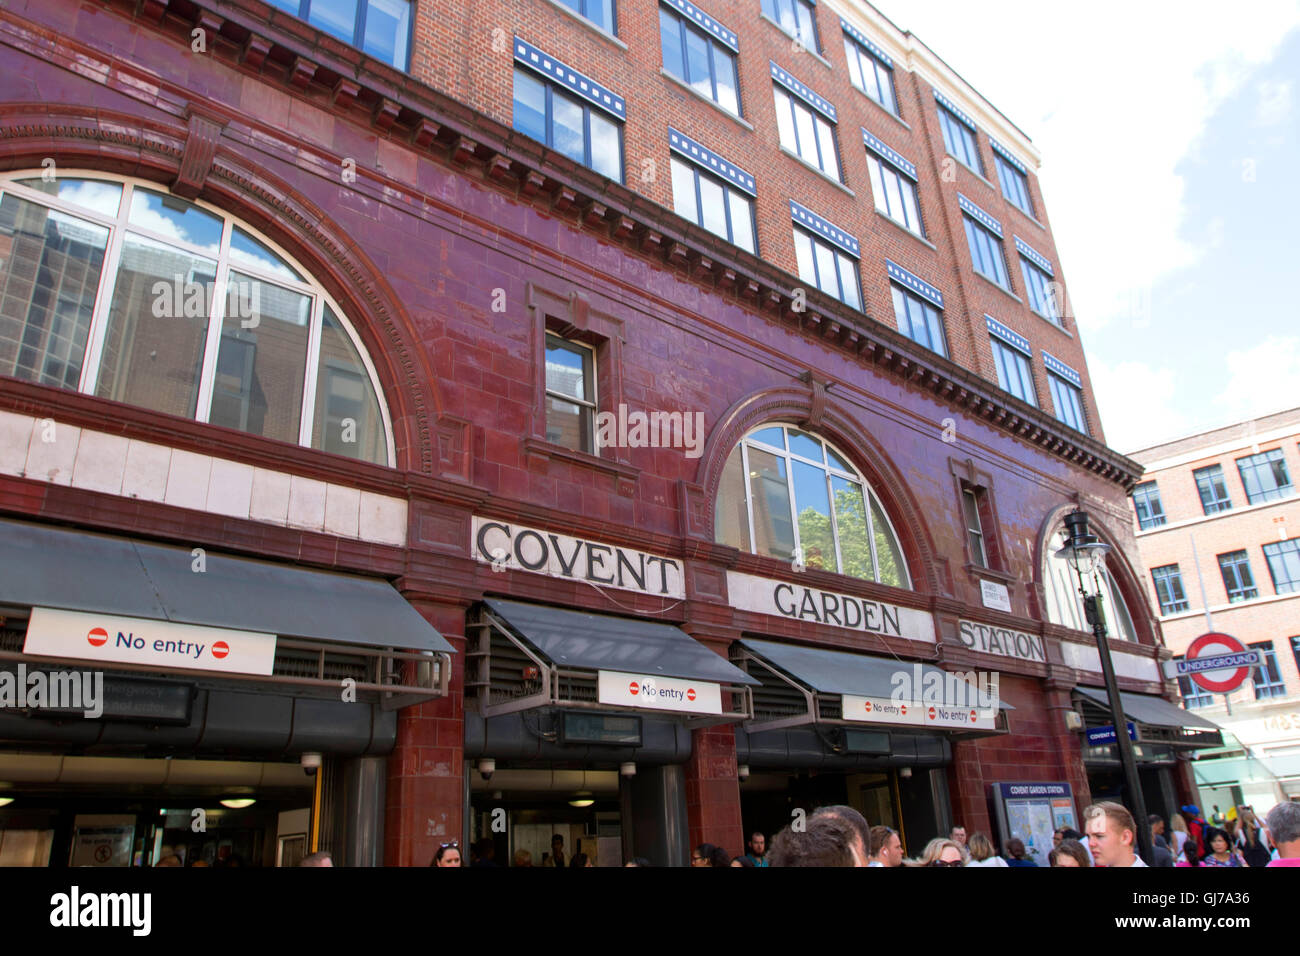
pixel 830 707
pixel 507 663
pixel 291 662
pixel 778 700
pixel 13 638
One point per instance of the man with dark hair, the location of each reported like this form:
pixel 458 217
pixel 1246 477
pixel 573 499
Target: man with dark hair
pixel 827 840
pixel 1161 855
pixel 857 823
pixel 757 854
pixel 886 847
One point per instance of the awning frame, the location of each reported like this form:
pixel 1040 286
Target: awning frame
pixel 1181 738
pixel 554 685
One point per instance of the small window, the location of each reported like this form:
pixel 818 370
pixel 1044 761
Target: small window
pixel 570 395
pixel 1169 589
pixel 1146 501
pixel 1014 372
pixel 568 125
pixel 1041 291
pixel 1237 579
pixel 698 60
pixel 1213 489
pixel 1194 695
pixel 1284 565
pixel 870 75
pixel 714 204
pixel 381 28
pixel 1268 676
pixel 1295 650
pixel 1068 402
pixel 828 268
pixel 806 133
pixel 1015 185
pixel 1265 476
pixel 970 501
pixel 919 320
pixel 895 194
pixel 986 252
pixel 796 18
pixel 599 12
pixel 959 139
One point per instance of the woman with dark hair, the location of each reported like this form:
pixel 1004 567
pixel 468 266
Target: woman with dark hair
pixel 1069 853
pixel 1016 855
pixel 448 855
pixel 742 861
pixel 703 855
pixel 1221 852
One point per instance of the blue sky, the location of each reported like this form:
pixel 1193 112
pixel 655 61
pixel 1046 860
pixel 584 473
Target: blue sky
pixel 1170 135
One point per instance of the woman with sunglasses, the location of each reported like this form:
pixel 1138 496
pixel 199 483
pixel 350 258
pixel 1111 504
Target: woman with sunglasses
pixel 942 852
pixel 448 855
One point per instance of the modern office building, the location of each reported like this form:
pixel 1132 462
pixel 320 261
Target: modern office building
pixel 601 419
pixel 1218 528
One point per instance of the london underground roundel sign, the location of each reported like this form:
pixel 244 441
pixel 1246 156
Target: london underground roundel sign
pixel 1234 654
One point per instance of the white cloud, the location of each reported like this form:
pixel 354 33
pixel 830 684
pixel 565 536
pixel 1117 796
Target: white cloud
pixel 1274 104
pixel 1262 379
pixel 1139 405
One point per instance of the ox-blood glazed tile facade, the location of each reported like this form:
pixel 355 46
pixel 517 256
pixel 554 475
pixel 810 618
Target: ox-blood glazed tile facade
pixel 453 244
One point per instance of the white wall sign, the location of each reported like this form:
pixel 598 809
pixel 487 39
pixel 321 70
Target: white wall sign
pixel 648 692
pixel 882 710
pixel 513 547
pixel 1001 640
pixel 129 640
pixel 1085 658
pixel 783 599
pixel 995 595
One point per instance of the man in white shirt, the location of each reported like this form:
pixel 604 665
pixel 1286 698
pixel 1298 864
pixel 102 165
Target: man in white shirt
pixel 1111 835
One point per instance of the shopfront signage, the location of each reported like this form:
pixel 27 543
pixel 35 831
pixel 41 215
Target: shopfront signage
pixel 995 595
pixel 509 546
pixel 883 710
pixel 794 601
pixel 1100 736
pixel 658 693
pixel 81 635
pixel 1001 640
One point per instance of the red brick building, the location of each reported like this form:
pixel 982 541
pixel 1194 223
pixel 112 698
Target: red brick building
pixel 756 390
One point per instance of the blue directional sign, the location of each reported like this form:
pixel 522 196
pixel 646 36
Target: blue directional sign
pixel 1106 735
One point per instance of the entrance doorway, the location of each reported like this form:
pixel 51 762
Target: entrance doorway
pixel 516 816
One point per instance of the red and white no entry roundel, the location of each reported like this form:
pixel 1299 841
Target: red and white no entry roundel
pixel 1224 680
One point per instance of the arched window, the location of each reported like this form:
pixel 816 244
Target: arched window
pixel 1064 603
pixel 786 493
pixel 110 286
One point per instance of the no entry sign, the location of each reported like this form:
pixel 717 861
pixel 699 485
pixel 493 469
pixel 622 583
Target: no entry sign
pixel 1217 662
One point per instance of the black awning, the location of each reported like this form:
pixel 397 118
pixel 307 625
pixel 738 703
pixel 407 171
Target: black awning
pixel 43 566
pixel 1150 710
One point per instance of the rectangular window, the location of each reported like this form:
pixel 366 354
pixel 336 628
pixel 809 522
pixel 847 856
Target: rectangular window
pixel 826 267
pixel 805 132
pixel 1268 676
pixel 381 28
pixel 895 194
pixel 959 139
pixel 919 321
pixel 1015 185
pixel 568 124
pixel 870 75
pixel 1014 372
pixel 1146 502
pixel 986 252
pixel 717 206
pixel 1194 695
pixel 1068 402
pixel 570 395
pixel 1237 579
pixel 1169 589
pixel 1041 291
pixel 699 60
pixel 1213 489
pixel 1295 650
pixel 974 530
pixel 1265 476
pixel 599 12
pixel 796 18
pixel 1284 564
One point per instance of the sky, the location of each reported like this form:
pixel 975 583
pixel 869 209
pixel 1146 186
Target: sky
pixel 1170 136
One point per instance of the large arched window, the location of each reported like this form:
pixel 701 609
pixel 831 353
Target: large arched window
pixel 1064 603
pixel 786 493
pixel 110 286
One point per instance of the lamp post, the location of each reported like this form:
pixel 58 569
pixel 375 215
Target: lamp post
pixel 1086 554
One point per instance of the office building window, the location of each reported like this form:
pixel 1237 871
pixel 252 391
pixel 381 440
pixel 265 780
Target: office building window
pixel 568 124
pixel 381 28
pixel 1146 501
pixel 699 60
pixel 970 502
pixel 570 394
pixel 1213 489
pixel 960 141
pixel 714 204
pixel 826 267
pixel 1284 564
pixel 895 194
pixel 1041 291
pixel 1015 185
pixel 1265 476
pixel 1237 579
pixel 986 252
pixel 919 320
pixel 805 132
pixel 1014 372
pixel 1169 589
pixel 1068 403
pixel 796 18
pixel 599 12
pixel 870 74
pixel 1268 676
pixel 1194 695
pixel 1295 650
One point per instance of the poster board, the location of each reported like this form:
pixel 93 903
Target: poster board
pixel 1031 811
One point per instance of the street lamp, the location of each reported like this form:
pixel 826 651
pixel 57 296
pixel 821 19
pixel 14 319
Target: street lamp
pixel 1086 555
